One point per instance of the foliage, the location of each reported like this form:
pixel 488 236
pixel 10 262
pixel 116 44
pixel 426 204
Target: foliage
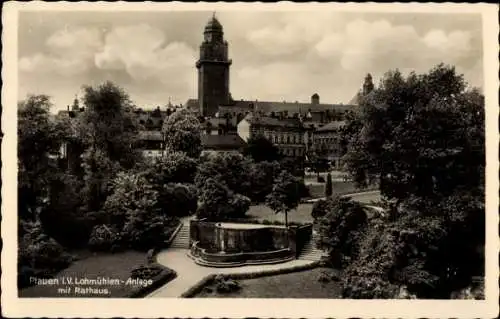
pixel 178 199
pixel 39 255
pixel 108 130
pixel 262 176
pixel 65 218
pixel 133 209
pixel 422 135
pixel 183 133
pixel 285 194
pixel 108 123
pixel 38 137
pixel 423 138
pixel 131 194
pixel 173 167
pixel 225 285
pixel 340 228
pixel 317 158
pixel 261 149
pixel 218 203
pixel 350 131
pixel 294 166
pixel 328 187
pixel 98 172
pixel 240 205
pixel 231 169
pixel 320 208
pixel 104 238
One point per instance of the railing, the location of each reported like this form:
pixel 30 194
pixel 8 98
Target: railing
pixel 222 257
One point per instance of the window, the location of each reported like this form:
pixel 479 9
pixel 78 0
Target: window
pixel 288 139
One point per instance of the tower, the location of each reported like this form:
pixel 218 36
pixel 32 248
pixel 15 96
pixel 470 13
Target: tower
pixel 213 69
pixel 368 84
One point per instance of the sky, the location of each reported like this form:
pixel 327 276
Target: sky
pixel 277 55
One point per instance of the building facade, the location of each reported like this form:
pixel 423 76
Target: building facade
pixel 327 142
pixel 287 134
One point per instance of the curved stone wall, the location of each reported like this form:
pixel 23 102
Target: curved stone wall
pixel 234 244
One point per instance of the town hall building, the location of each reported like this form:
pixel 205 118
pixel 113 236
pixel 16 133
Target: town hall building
pixel 288 125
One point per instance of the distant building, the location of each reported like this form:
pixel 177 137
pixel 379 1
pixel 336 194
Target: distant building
pixel 327 139
pixel 286 134
pixel 288 125
pixel 151 143
pixel 222 143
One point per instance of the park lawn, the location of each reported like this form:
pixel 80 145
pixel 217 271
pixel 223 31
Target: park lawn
pixel 303 212
pixel 303 284
pixel 92 266
pixel 300 215
pixel 317 190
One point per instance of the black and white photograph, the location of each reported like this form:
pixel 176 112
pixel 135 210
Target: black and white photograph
pixel 269 154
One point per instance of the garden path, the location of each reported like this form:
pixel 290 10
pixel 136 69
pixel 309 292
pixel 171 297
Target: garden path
pixel 189 273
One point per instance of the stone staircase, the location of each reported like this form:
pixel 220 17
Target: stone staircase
pixel 310 252
pixel 181 240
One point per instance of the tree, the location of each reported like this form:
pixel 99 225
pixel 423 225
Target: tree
pixel 328 186
pixel 423 138
pixel 340 229
pixel 108 129
pixel 262 176
pixel 108 123
pixel 317 158
pixel 218 203
pixel 173 167
pixel 39 137
pixel 231 169
pixel 261 149
pixel 182 132
pixel 285 195
pixel 431 163
pixel 133 210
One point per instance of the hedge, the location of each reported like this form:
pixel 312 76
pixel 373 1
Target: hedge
pixel 194 290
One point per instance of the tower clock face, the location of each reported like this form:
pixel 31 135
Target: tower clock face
pixel 209 37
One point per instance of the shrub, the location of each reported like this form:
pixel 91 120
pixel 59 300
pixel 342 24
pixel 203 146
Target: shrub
pixel 320 208
pixel 39 254
pixel 320 179
pixel 225 285
pixel 103 238
pixel 133 208
pixel 178 199
pixel 240 205
pixel 143 231
pixel 146 272
pixel 218 203
pixel 340 229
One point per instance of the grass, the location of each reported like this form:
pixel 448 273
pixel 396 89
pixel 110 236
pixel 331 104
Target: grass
pixel 303 212
pixel 303 284
pixel 338 187
pixel 301 215
pixel 91 266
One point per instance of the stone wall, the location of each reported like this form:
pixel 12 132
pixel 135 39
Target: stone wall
pixel 240 240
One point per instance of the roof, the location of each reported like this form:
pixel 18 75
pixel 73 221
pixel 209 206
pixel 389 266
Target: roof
pixel 290 107
pixel 335 125
pixel 229 141
pixel 269 106
pixel 271 121
pixel 213 25
pixel 150 135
